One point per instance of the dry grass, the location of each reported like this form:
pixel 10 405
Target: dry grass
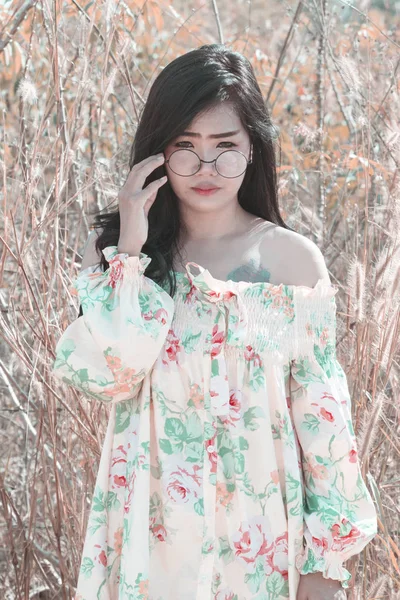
pixel 73 83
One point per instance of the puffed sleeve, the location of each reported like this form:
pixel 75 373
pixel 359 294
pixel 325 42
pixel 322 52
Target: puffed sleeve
pixel 107 352
pixel 339 515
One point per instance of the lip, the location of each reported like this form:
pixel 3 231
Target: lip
pixel 207 192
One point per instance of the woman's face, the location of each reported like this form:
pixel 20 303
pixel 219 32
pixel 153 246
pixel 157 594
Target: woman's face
pixel 219 120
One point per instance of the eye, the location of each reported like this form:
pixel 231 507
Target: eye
pixel 180 144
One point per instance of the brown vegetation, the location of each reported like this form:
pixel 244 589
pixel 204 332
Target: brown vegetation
pixel 74 77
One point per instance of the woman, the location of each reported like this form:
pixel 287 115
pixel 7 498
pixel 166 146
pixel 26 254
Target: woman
pixel 229 468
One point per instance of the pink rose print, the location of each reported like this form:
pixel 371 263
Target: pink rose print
pixel 314 468
pixel 250 355
pixel 172 347
pixel 118 467
pixel 225 594
pixel 118 540
pixel 144 588
pixel 223 496
pixel 327 396
pixel 184 487
pixel 324 337
pixel 275 476
pixel 353 456
pixel 235 405
pixel 340 542
pixel 277 302
pixel 159 532
pixel 326 414
pixel 196 396
pixel 119 481
pixel 253 539
pixel 159 315
pixel 320 545
pixel 217 340
pixel 116 271
pixel 278 559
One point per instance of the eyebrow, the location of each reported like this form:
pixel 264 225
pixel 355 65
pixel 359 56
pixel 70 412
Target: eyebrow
pixel 212 136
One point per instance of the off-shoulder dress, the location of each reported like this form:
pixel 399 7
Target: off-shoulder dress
pixel 229 465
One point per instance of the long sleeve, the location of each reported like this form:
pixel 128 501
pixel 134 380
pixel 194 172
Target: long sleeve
pixel 339 515
pixel 107 352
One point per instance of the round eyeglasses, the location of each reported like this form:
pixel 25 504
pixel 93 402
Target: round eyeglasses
pixel 230 163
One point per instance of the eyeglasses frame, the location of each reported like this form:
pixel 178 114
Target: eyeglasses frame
pixel 249 161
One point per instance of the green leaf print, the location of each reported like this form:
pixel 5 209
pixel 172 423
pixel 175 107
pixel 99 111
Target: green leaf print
pixel 257 379
pixel 66 349
pixel 166 446
pixel 194 428
pixel 305 373
pixel 175 429
pixel 122 416
pixel 276 434
pixel 225 550
pixel 199 507
pixel 194 451
pixel 323 358
pixel 224 439
pixel 243 443
pixel 292 487
pixel 82 375
pixel 275 583
pixel 326 508
pixel 96 522
pixel 112 502
pixel 311 563
pixel 239 463
pixel 285 589
pixel 214 367
pixel 229 464
pixel 158 470
pixel 255 579
pixel 311 423
pixel 190 341
pixel 87 566
pixel 250 417
pixel 208 431
pixel 97 502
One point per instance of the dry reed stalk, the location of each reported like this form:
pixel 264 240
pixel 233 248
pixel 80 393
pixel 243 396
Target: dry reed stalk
pixel 62 158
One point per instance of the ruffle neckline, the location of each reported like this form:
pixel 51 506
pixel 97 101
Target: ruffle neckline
pixel 205 281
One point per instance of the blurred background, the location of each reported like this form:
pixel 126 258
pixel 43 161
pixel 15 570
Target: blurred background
pixel 74 76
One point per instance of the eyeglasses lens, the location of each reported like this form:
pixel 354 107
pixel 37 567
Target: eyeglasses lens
pixel 228 164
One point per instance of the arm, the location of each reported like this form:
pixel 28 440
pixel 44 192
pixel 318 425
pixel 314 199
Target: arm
pixel 339 514
pixel 107 352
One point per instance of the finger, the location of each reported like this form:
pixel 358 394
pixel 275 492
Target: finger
pixel 150 200
pixel 152 188
pixel 138 175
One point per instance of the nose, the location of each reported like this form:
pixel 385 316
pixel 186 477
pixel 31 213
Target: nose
pixel 207 166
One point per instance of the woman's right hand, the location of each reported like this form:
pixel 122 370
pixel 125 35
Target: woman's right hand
pixel 135 203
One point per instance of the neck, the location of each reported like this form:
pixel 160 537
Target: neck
pixel 214 226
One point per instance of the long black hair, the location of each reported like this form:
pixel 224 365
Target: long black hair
pixel 187 86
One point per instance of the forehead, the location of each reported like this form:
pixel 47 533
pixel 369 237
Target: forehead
pixel 217 119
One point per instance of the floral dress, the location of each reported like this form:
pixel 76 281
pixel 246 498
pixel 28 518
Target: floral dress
pixel 229 465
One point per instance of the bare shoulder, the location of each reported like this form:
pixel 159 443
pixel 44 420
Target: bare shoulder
pixel 298 260
pixel 90 256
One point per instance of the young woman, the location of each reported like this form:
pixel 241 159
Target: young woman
pixel 229 468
